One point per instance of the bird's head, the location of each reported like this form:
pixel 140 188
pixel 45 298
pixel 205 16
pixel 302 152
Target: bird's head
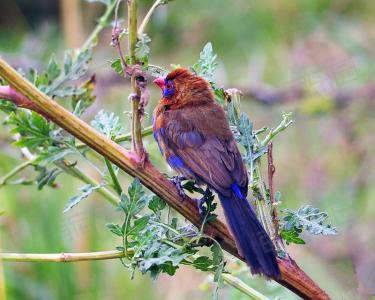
pixel 181 87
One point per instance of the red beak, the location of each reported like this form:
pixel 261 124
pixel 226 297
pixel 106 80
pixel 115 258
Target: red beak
pixel 160 82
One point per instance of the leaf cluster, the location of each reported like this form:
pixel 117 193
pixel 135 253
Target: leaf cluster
pixel 157 245
pixel 306 218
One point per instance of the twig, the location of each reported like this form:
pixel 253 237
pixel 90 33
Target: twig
pixel 116 183
pixel 137 143
pixel 112 254
pixel 147 18
pixel 292 276
pixel 243 287
pixel 103 22
pixel 285 123
pixel 77 173
pixel 116 39
pixel 271 172
pixel 61 257
pixel 15 171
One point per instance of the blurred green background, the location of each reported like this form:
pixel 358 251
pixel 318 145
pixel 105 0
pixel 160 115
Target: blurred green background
pixel 315 58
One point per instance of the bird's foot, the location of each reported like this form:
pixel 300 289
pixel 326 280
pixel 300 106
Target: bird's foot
pixel 177 181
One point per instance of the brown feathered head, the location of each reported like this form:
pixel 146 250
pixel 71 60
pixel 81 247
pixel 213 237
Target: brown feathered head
pixel 181 87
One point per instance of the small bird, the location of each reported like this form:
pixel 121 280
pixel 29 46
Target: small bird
pixel 193 135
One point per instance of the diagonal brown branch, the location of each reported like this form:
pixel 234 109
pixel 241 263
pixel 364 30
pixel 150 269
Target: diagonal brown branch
pixel 292 276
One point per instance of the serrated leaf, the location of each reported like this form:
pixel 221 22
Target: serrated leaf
pixel 32 127
pixel 310 219
pixel 53 154
pixel 85 191
pixel 142 49
pixel 7 106
pixel 139 225
pixel 203 263
pixel 156 204
pixel 53 69
pixel 291 236
pixel 108 124
pixel 217 254
pixel 74 68
pixel 68 62
pixel 115 228
pixel 117 66
pixel 206 65
pixel 80 102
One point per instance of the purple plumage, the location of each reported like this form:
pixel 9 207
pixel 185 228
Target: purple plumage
pixel 194 137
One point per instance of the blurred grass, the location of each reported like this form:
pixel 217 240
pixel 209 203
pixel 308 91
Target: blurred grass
pixel 324 159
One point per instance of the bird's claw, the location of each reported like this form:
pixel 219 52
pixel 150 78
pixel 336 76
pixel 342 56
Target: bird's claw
pixel 176 180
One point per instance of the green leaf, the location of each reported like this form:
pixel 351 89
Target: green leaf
pixel 206 64
pixel 291 236
pixel 7 106
pixel 75 66
pixel 310 219
pixel 139 225
pixel 156 204
pixel 117 66
pixel 142 49
pixel 203 263
pixel 167 261
pixel 53 154
pixel 217 254
pixel 34 130
pixel 114 228
pixel 53 69
pixel 80 102
pixel 85 191
pixel 46 177
pixel 108 124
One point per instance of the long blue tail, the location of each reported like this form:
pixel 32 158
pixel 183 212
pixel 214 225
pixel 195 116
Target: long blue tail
pixel 252 240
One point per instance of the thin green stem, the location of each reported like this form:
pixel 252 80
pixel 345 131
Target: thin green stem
pixel 147 18
pixel 103 22
pixel 15 171
pixel 113 254
pixel 285 123
pixel 61 257
pixel 243 287
pixel 166 226
pixel 116 183
pixel 264 208
pixel 77 173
